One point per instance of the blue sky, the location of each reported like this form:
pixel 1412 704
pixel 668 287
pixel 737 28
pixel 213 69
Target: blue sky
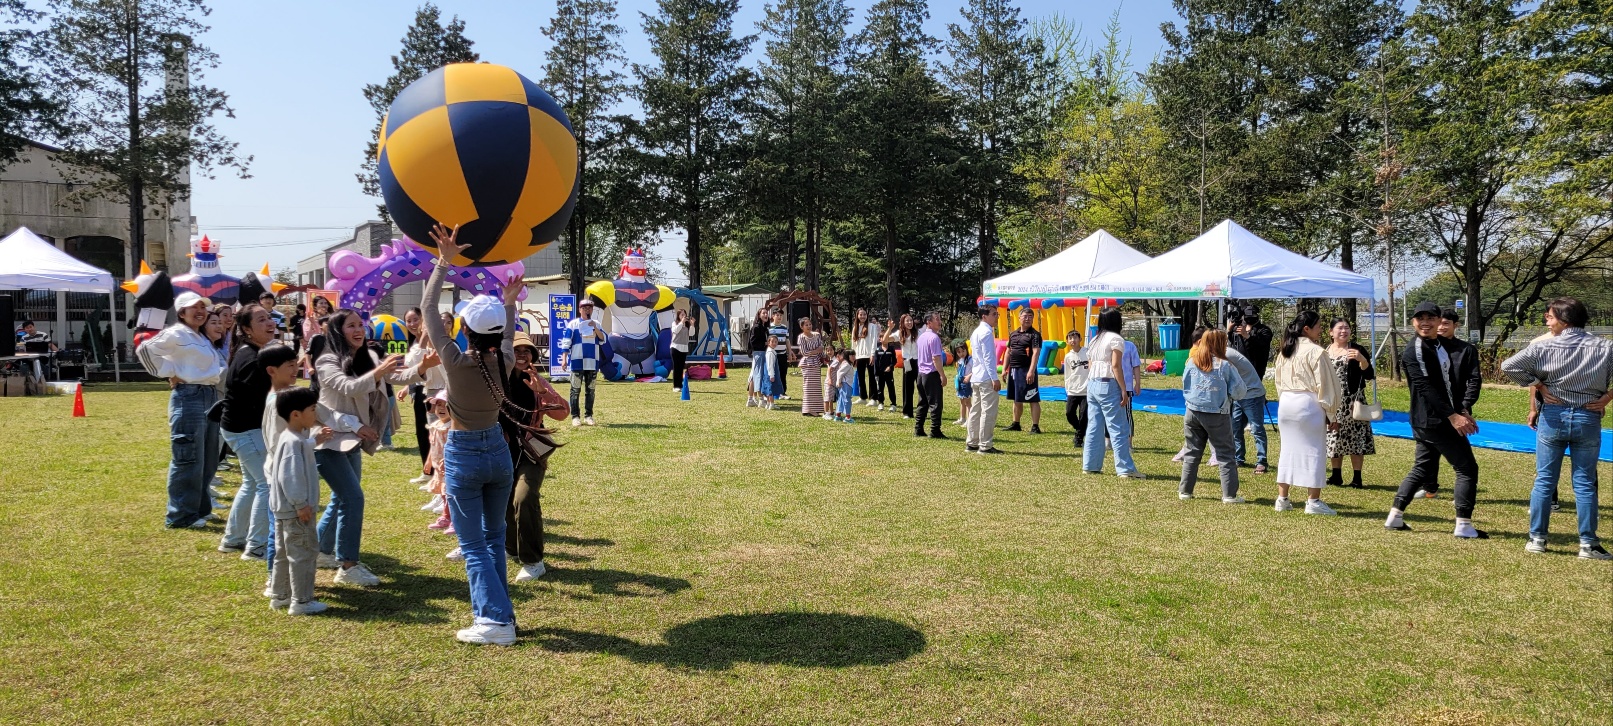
pixel 294 70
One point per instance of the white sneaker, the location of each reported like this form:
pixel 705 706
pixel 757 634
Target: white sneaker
pixel 312 607
pixel 1283 505
pixel 268 592
pixel 487 635
pixel 589 421
pixel 958 422
pixel 254 554
pixel 870 404
pixel 230 549
pixel 384 447
pixel 1183 495
pixel 279 603
pixel 750 403
pixel 457 555
pixel 783 397
pixel 1133 475
pixel 358 575
pixel 531 572
pixel 218 493
pixel 575 422
pixel 199 523
pixel 1537 546
pixel 828 417
pixel 439 507
pixel 327 562
pixel 423 478
pixel 436 501
pixel 1232 500
pixel 1317 506
pixel 1594 552
pixel 880 407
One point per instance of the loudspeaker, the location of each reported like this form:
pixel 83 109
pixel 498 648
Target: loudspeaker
pixel 8 321
pixel 798 309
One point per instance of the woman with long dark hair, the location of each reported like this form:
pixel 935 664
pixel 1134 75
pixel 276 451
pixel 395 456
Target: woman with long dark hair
pixel 183 355
pixel 1108 401
pixel 353 403
pixel 682 330
pixel 247 530
pixel 1352 365
pixel 864 341
pixel 810 343
pixel 1307 398
pixel 759 386
pixel 906 338
pixel 479 471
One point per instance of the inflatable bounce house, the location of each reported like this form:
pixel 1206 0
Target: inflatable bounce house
pixel 1054 318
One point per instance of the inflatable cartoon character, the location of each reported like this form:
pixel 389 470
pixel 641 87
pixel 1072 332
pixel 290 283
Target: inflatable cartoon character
pixel 365 281
pixel 256 283
pixel 153 296
pixel 205 277
pixel 630 300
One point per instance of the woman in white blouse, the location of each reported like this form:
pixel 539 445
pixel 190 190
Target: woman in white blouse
pixel 1307 398
pixel 1108 400
pixel 865 337
pixel 184 356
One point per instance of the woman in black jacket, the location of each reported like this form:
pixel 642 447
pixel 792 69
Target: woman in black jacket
pixel 757 387
pixel 1353 366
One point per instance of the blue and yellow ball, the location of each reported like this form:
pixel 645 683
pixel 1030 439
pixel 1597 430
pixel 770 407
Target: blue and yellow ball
pixel 479 146
pixel 387 327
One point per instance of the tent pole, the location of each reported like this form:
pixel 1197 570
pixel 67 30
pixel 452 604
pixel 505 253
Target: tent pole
pixel 112 315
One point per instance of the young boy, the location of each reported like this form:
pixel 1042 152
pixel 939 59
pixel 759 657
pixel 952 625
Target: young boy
pixel 1075 387
pixel 293 493
pixel 279 363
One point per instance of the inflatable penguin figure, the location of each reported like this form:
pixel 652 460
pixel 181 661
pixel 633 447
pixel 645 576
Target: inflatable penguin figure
pixel 256 283
pixel 154 297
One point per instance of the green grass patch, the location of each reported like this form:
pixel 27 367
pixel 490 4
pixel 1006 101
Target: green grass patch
pixel 717 564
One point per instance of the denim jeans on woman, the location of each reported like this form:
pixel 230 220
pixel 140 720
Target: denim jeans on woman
pixel 759 380
pixel 249 513
pixel 1577 432
pixel 342 525
pixel 478 479
pixel 1105 412
pixel 194 443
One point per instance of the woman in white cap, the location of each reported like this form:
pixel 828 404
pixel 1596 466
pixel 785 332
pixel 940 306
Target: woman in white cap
pixel 183 355
pixel 476 459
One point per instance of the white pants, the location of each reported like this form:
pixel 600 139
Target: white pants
pixel 982 422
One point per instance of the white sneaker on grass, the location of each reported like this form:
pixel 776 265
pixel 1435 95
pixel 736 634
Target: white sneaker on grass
pixel 1593 552
pixel 423 478
pixel 312 607
pixel 218 493
pixel 531 572
pixel 327 562
pixel 1232 500
pixel 750 403
pixel 228 548
pixel 487 635
pixel 457 555
pixel 1537 546
pixel 199 523
pixel 436 501
pixel 358 575
pixel 1317 506
pixel 256 553
pixel 575 422
pixel 279 603
pixel 1283 505
pixel 1133 475
pixel 1183 495
pixel 588 421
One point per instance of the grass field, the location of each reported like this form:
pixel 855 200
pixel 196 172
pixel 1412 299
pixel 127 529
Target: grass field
pixel 717 564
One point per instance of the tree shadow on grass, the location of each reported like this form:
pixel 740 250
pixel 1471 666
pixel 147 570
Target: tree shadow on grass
pixel 615 583
pixel 803 640
pixel 636 426
pixel 549 537
pixel 404 595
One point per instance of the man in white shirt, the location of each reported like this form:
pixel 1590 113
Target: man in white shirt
pixel 985 384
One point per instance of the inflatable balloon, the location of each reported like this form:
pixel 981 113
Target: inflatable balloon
pixel 205 278
pixel 153 297
pixel 630 300
pixel 386 327
pixel 479 146
pixel 365 281
pixel 256 283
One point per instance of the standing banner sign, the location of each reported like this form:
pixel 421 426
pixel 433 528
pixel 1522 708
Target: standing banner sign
pixel 562 308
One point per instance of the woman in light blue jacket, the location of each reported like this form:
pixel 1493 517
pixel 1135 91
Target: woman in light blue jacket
pixel 1209 387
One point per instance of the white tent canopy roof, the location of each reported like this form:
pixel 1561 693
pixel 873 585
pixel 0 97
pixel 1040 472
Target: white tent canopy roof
pixel 1230 262
pixel 1100 253
pixel 28 262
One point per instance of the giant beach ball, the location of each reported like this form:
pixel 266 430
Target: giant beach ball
pixel 479 146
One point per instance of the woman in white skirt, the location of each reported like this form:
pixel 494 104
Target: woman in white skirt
pixel 1307 397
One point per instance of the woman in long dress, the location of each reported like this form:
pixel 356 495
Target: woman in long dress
pixel 810 344
pixel 1352 366
pixel 1307 399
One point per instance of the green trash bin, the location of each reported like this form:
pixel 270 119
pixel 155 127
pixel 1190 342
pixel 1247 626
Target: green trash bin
pixel 1175 361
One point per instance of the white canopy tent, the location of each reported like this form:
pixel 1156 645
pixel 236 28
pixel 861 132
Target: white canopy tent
pixel 28 262
pixel 1062 274
pixel 1230 262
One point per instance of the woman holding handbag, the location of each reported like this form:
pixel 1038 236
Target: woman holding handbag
pixel 1353 436
pixel 533 399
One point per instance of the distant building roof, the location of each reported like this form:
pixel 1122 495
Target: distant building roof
pixel 748 288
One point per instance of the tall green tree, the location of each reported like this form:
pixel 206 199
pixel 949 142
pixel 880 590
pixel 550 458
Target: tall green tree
pixel 694 97
pixel 901 121
pixel 26 106
pixel 583 69
pixel 138 122
pixel 800 154
pixel 992 73
pixel 427 45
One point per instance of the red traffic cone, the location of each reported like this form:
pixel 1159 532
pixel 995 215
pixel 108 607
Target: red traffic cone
pixel 78 402
pixel 722 364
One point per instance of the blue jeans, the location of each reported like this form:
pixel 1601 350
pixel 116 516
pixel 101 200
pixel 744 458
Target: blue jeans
pixel 759 381
pixel 342 525
pixel 1105 413
pixel 195 446
pixel 1247 413
pixel 478 478
pixel 843 403
pixel 249 513
pixel 1579 433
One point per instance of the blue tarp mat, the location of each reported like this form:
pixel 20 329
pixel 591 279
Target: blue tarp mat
pixel 1395 424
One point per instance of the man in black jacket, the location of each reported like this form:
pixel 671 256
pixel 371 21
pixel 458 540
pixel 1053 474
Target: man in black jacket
pixel 1444 384
pixel 1249 336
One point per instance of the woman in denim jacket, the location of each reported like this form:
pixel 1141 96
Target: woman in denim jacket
pixel 1209 386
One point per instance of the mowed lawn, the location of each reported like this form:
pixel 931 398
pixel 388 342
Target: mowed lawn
pixel 711 563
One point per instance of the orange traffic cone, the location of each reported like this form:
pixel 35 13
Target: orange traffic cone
pixel 722 363
pixel 78 402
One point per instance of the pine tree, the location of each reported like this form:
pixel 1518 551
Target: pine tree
pixel 694 98
pixel 900 121
pixel 581 69
pixel 427 46
pixel 137 135
pixel 993 75
pixel 26 107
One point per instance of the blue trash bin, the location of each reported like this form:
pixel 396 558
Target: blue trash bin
pixel 1170 336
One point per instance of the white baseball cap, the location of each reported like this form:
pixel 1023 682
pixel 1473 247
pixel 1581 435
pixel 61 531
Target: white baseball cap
pixel 189 299
pixel 484 314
